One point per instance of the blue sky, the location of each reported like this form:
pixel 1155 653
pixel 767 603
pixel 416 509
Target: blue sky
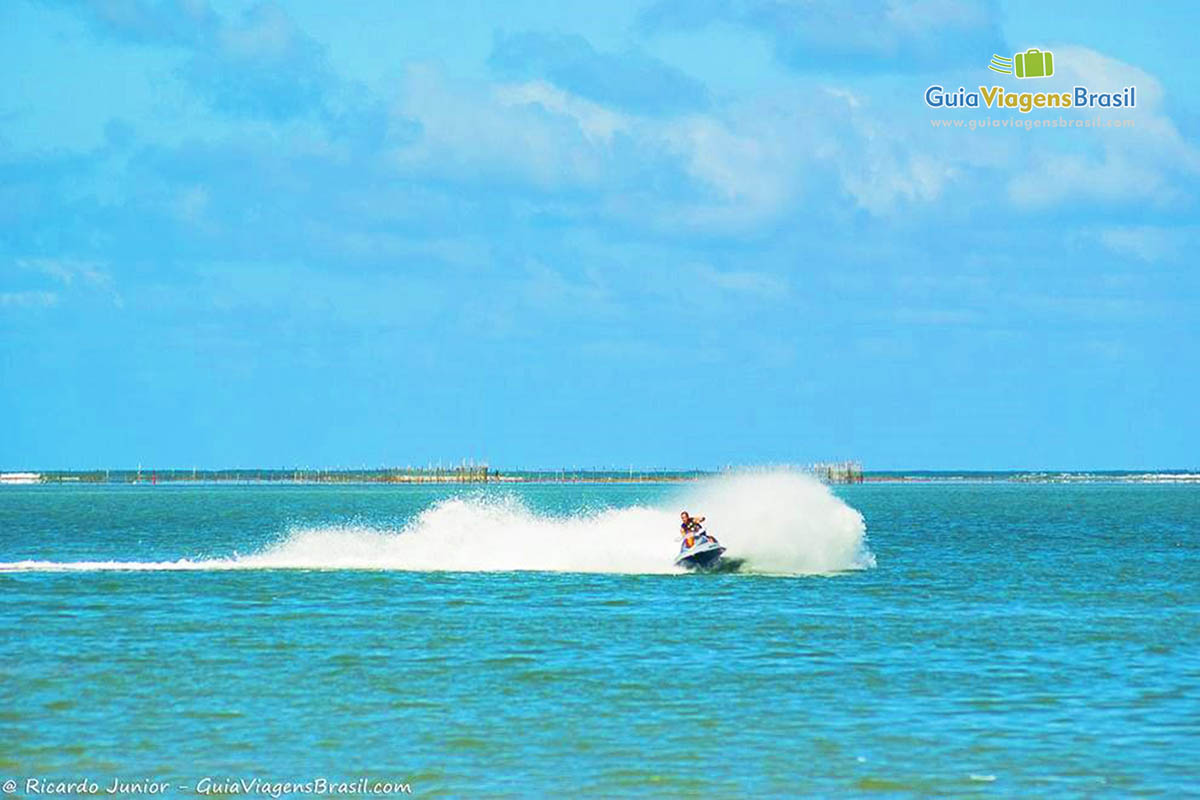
pixel 540 234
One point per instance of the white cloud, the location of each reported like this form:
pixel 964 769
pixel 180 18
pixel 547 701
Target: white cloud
pixel 1145 242
pixel 812 148
pixel 1115 166
pixel 743 282
pixel 72 275
pixel 67 270
pixel 887 176
pixel 1054 178
pixel 28 299
pixel 470 132
pixel 741 165
pixel 748 166
pixel 597 123
pixel 742 169
pixel 549 289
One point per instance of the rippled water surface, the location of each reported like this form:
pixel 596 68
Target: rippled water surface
pixel 1010 640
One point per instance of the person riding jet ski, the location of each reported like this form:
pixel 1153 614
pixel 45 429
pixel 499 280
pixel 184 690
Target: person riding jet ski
pixel 700 549
pixel 689 526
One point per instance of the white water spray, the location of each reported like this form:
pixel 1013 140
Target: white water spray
pixel 777 522
pixel 782 521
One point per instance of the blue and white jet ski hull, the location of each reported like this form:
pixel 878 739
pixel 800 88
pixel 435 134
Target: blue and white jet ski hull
pixel 704 554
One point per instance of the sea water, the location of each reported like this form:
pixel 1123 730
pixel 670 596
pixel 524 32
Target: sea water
pixel 970 639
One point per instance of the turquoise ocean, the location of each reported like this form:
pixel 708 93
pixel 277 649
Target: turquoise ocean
pixel 954 639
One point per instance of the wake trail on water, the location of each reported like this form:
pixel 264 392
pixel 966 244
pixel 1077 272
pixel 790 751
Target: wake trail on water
pixel 780 522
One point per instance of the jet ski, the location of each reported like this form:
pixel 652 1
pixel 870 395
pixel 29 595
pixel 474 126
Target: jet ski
pixel 699 551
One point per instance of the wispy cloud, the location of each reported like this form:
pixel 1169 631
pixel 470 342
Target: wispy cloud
pixel 1147 243
pixel 259 64
pixel 852 37
pixel 31 299
pixel 67 270
pixel 72 274
pixel 747 283
pixel 1151 162
pixel 631 80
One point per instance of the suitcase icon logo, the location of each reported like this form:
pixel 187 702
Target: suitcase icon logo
pixel 1033 63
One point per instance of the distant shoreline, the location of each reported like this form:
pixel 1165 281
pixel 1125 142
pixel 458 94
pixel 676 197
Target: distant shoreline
pixel 488 476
